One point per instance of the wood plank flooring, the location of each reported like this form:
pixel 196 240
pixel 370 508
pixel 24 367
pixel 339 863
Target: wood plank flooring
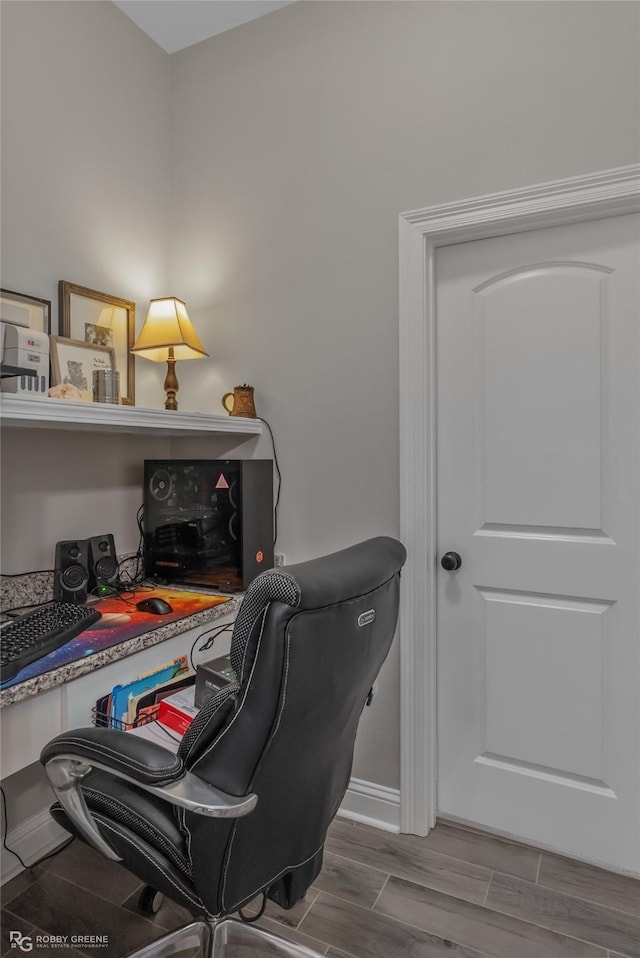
pixel 458 893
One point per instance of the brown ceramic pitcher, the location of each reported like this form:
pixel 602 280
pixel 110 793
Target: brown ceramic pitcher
pixel 240 402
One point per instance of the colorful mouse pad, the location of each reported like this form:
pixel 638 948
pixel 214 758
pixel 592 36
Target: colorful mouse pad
pixel 120 621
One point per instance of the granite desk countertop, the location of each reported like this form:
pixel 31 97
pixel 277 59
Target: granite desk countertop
pixel 37 587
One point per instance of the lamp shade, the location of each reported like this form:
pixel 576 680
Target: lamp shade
pixel 166 327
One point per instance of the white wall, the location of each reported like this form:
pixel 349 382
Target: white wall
pixel 299 139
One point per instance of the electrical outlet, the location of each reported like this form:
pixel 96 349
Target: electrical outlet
pixel 278 559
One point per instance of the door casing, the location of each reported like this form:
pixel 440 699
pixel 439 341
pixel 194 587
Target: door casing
pixel 607 193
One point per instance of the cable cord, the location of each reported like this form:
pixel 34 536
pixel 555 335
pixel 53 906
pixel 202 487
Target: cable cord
pixel 17 610
pixel 38 861
pixel 213 634
pixel 126 580
pixel 137 575
pixel 248 919
pixel 16 575
pixel 279 474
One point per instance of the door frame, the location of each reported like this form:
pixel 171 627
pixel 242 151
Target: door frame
pixel 559 202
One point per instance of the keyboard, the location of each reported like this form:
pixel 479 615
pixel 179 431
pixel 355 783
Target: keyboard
pixel 36 633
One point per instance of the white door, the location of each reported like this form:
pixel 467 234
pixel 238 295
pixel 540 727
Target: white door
pixel 538 488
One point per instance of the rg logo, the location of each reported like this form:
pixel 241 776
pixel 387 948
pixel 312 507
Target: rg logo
pixel 18 940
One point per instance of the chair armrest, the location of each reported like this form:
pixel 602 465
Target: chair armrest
pixel 149 766
pixel 146 763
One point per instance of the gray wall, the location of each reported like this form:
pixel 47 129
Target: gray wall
pixel 85 150
pixel 299 139
pixel 295 142
pixel 85 190
pixel 85 193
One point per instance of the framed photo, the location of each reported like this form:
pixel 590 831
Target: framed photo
pixel 73 361
pixel 99 319
pixel 22 310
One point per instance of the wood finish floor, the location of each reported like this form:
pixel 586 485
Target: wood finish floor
pixel 457 893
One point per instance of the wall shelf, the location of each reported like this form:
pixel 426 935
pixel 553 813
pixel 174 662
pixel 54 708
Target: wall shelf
pixel 46 413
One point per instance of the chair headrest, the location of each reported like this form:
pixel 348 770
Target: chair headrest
pixel 343 575
pixel 316 583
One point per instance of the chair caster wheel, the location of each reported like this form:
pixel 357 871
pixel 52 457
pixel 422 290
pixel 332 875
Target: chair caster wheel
pixel 150 900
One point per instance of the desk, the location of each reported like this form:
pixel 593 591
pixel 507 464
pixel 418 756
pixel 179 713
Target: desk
pixel 36 710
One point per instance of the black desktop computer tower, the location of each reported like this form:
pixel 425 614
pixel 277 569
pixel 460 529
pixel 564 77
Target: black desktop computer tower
pixel 208 522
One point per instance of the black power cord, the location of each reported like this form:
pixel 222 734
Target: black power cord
pixel 38 861
pixel 134 577
pixel 212 634
pixel 279 474
pixel 248 919
pixel 16 575
pixel 17 610
pixel 129 571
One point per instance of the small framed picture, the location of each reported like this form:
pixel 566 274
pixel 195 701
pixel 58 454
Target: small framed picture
pixel 22 310
pixel 73 361
pixel 100 319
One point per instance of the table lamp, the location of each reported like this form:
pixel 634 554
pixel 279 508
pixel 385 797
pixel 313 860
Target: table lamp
pixel 168 335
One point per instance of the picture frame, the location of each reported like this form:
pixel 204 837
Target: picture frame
pixel 23 310
pixel 100 319
pixel 73 361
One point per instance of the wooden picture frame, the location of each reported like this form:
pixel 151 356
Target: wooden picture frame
pixel 22 310
pixel 73 361
pixel 100 319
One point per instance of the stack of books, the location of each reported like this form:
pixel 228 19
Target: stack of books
pixel 163 697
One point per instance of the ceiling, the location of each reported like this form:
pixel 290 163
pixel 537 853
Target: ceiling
pixel 176 24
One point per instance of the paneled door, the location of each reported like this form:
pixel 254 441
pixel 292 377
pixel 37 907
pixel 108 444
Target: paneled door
pixel 538 489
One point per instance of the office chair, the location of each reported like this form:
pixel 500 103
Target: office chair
pixel 243 809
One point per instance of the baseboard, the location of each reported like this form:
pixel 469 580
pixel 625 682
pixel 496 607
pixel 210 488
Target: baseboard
pixel 372 804
pixel 32 839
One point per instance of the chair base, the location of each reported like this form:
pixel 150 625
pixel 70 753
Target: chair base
pixel 224 938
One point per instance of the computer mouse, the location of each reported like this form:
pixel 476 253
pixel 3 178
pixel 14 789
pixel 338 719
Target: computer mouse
pixel 155 605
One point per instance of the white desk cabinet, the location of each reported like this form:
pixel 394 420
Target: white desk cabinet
pixel 26 726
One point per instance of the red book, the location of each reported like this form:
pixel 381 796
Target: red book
pixel 178 711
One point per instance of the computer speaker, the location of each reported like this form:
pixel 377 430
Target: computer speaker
pixel 103 562
pixel 71 575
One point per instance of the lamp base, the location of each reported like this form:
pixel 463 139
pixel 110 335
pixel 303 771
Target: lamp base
pixel 171 385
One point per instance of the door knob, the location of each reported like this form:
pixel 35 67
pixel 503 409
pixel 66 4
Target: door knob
pixel 451 561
